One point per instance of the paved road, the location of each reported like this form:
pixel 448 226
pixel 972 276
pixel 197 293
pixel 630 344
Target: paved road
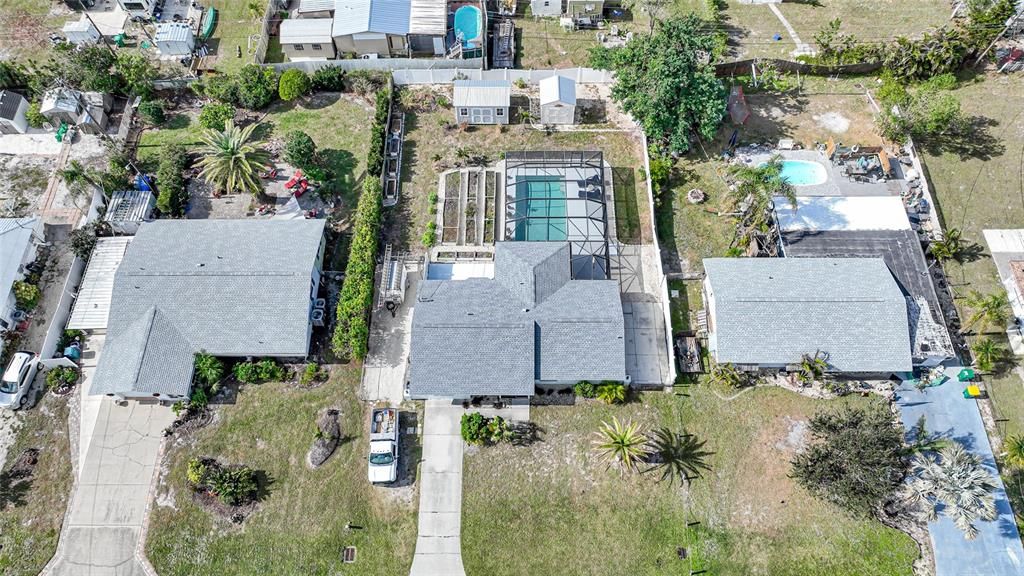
pixel 439 544
pixel 104 524
pixel 997 551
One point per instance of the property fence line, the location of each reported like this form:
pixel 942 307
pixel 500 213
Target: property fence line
pixel 467 65
pixel 745 67
pixel 261 45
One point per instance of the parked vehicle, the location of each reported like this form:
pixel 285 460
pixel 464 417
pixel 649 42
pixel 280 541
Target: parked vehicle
pixel 383 461
pixel 17 380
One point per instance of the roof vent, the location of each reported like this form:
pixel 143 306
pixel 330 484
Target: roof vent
pixel 200 265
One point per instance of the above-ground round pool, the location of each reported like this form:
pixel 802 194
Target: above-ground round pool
pixel 467 26
pixel 803 172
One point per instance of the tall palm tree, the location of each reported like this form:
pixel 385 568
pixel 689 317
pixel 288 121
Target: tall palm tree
pixel 762 183
pixel 677 455
pixel 986 353
pixel 1014 447
pixel 954 484
pixel 231 160
pixel 77 177
pixel 621 445
pixel 987 310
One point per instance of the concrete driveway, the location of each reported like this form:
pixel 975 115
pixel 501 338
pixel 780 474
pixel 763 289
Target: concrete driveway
pixel 997 551
pixel 102 532
pixel 439 544
pixel 388 356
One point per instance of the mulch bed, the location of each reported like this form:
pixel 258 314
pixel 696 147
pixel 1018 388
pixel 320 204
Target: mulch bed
pixel 234 514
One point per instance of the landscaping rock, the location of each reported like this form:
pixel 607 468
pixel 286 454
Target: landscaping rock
pixel 327 439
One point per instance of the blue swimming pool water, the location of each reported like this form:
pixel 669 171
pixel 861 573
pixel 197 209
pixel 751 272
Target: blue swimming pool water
pixel 467 23
pixel 803 172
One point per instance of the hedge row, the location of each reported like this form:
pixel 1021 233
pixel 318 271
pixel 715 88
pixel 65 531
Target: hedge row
pixel 352 329
pixel 375 158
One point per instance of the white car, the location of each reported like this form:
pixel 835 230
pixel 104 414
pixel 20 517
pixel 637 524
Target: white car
pixel 17 380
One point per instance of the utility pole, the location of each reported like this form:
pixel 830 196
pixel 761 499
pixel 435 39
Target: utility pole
pixel 1012 20
pixel 85 11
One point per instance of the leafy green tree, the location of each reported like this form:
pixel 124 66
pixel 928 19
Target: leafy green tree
pixel 987 353
pixel 677 455
pixel 294 84
pixel 90 68
pixel 12 74
pixel 927 114
pixel 987 310
pixel 954 484
pixel 611 392
pixel 152 112
pixel 232 159
pixel 936 52
pixel 220 87
pixel 257 86
pixel 667 82
pixel 137 72
pixel 855 459
pixel 621 445
pixel 300 150
pixel 213 116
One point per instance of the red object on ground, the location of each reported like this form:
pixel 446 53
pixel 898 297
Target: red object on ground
pixel 301 189
pixel 295 179
pixel 271 174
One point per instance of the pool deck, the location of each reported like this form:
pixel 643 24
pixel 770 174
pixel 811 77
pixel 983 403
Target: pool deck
pixel 837 184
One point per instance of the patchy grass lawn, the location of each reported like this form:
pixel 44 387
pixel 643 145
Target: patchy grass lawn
pixel 25 27
pixel 300 527
pixel 752 27
pixel 430 148
pixel 575 517
pixel 32 511
pixel 338 123
pixel 235 26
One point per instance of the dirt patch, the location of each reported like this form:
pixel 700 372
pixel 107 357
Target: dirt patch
pixel 834 122
pixel 765 489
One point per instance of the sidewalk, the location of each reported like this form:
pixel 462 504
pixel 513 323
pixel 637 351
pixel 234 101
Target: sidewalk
pixel 997 551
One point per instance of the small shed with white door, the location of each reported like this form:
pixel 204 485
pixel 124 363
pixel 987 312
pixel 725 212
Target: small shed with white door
pixel 81 32
pixel 482 101
pixel 558 100
pixel 175 39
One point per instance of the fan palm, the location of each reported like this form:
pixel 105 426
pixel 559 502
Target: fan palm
pixel 678 455
pixel 987 310
pixel 231 160
pixel 986 353
pixel 1014 447
pixel 954 484
pixel 620 445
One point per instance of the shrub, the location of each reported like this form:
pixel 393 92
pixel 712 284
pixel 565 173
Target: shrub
pixel 220 87
pixel 196 472
pixel 61 377
pixel 209 371
pixel 312 373
pixel 375 157
pixel 364 82
pixel 329 79
pixel 611 392
pixel 26 296
pixel 173 192
pixel 351 331
pixel 498 430
pixel 430 235
pixel 294 83
pixel 300 150
pixel 584 389
pixel 152 112
pixel 257 86
pixel 474 428
pixel 32 115
pixel 213 116
pixel 199 399
pixel 264 370
pixel 234 486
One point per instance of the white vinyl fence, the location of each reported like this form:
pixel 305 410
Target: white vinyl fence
pixel 384 64
pixel 434 76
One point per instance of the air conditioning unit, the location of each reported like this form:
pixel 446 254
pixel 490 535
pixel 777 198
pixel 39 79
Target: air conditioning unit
pixel 318 317
pixel 320 304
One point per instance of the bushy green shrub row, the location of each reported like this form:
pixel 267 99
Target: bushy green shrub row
pixel 352 329
pixel 265 370
pixel 375 158
pixel 253 87
pixel 173 193
pixel 479 429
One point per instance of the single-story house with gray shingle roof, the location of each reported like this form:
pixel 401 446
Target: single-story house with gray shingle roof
pixel 766 313
pixel 234 288
pixel 529 326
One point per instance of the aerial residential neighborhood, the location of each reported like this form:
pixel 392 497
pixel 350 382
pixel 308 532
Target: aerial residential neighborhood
pixel 497 287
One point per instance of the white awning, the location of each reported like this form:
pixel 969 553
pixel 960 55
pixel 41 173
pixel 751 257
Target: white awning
pixel 824 213
pixel 428 17
pixel 92 306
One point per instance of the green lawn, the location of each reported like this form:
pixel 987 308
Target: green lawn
pixel 554 500
pixel 300 527
pixel 236 29
pixel 338 124
pixel 32 511
pixel 430 148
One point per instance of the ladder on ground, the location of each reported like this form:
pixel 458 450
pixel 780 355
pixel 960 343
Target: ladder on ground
pixel 385 277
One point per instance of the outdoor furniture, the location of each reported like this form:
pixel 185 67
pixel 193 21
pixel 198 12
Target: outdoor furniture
pixel 965 375
pixel 972 391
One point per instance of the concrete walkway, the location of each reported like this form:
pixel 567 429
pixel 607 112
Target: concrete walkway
pixel 388 356
pixel 997 551
pixel 439 544
pixel 103 528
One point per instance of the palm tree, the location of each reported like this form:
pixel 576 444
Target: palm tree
pixel 954 484
pixel 812 368
pixel 677 455
pixel 77 177
pixel 762 183
pixel 949 247
pixel 987 353
pixel 1014 447
pixel 231 161
pixel 621 445
pixel 988 310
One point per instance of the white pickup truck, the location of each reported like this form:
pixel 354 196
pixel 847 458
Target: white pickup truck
pixel 383 462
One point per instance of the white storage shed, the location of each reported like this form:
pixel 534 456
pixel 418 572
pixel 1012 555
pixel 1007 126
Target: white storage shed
pixel 558 100
pixel 546 8
pixel 482 101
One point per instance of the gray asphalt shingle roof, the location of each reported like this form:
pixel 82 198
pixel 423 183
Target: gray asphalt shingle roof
pixel 229 287
pixel 531 322
pixel 771 311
